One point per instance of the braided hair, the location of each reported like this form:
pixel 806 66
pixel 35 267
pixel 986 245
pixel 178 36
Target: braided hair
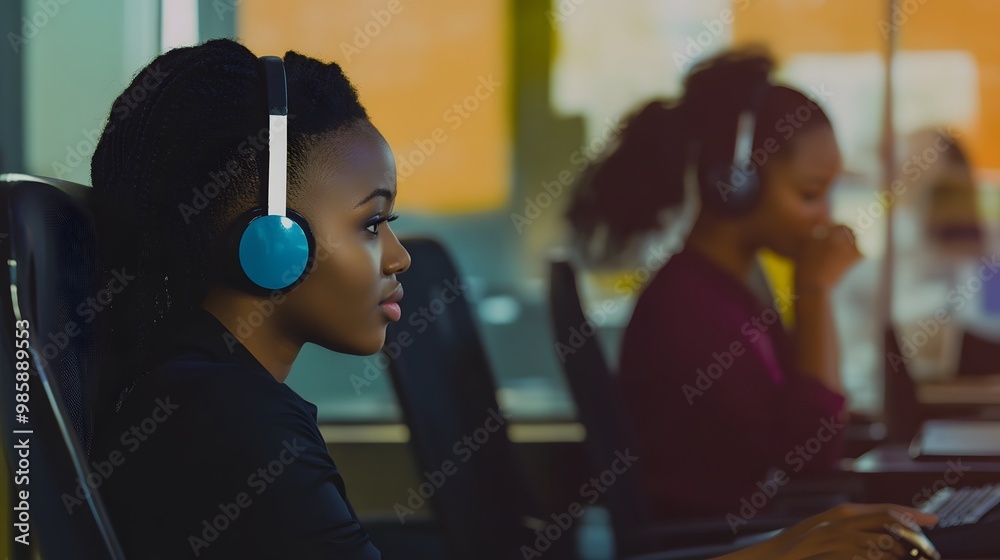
pixel 621 196
pixel 178 161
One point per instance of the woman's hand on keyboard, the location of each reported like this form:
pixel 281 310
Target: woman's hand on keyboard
pixel 842 532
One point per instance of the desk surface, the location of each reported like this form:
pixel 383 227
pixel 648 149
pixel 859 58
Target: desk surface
pixel 895 458
pixel 979 390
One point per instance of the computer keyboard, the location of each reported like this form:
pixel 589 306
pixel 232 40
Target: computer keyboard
pixel 968 521
pixel 962 506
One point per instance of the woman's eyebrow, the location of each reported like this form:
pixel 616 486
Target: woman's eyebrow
pixel 377 192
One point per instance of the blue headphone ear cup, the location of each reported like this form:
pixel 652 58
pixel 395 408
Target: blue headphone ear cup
pixel 749 192
pixel 310 238
pixel 741 189
pixel 726 188
pixel 275 252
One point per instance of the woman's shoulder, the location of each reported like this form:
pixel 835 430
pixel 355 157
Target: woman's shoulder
pixel 194 434
pixel 689 310
pixel 684 289
pixel 195 399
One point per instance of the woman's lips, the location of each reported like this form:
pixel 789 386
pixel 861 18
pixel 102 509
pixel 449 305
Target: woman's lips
pixel 390 305
pixel 392 311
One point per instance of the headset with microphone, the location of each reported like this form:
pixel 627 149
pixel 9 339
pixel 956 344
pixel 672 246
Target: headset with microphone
pixel 728 181
pixel 275 244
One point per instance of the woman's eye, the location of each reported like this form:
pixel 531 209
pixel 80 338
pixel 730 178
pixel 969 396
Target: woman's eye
pixel 372 226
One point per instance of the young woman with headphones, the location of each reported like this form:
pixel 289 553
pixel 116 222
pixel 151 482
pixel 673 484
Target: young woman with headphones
pixel 724 403
pixel 209 454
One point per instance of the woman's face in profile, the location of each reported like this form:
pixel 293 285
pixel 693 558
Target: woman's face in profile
pixel 794 200
pixel 349 192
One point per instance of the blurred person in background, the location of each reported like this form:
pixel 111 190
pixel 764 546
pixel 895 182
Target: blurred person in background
pixel 945 303
pixel 722 399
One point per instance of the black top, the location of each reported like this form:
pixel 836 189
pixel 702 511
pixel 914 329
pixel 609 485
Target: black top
pixel 211 457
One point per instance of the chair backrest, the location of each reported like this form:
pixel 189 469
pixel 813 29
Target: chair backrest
pixel 902 408
pixel 51 272
pixel 596 394
pixel 447 393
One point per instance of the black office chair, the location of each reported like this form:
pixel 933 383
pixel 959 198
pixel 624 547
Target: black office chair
pixel 601 411
pixel 51 268
pixel 598 404
pixel 447 393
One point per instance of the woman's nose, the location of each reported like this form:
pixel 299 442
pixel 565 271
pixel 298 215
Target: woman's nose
pixel 396 259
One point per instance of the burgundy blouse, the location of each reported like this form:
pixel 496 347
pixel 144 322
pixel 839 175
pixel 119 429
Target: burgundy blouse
pixel 718 410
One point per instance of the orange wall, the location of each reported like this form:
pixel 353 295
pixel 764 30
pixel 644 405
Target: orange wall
pixel 796 26
pixel 414 63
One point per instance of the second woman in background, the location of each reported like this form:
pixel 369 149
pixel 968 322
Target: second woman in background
pixel 726 404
